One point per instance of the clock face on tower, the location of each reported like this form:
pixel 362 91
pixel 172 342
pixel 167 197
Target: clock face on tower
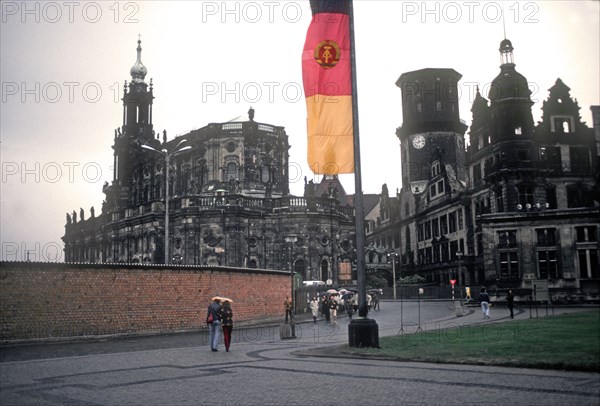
pixel 419 141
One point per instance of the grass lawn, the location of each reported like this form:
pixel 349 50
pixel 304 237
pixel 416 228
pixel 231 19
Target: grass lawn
pixel 568 342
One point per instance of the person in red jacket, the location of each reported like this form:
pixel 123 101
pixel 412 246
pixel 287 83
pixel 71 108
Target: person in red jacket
pixel 227 323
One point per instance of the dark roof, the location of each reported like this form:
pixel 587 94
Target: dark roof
pixel 329 183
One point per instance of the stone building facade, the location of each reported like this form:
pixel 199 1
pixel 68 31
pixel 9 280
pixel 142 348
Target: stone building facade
pixel 228 195
pixel 516 207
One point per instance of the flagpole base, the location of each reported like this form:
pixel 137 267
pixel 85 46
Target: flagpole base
pixel 363 333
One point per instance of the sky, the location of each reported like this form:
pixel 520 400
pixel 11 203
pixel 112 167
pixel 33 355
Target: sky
pixel 63 65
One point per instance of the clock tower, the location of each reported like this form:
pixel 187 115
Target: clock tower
pixel 432 134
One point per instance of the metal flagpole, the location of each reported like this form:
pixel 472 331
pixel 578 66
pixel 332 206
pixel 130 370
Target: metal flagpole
pixel 362 332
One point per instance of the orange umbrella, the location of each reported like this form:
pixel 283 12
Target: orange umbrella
pixel 222 299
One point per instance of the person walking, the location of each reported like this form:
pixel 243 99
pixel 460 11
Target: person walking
pixel 213 319
pixel 325 308
pixel 350 308
pixel 314 308
pixel 484 299
pixel 227 323
pixel 510 302
pixel 287 304
pixel 376 301
pixel 333 304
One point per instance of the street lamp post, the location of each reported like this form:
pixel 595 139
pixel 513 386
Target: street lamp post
pixel 291 240
pixel 459 254
pixel 167 155
pixel 393 255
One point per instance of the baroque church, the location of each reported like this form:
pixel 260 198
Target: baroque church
pixel 225 188
pixel 516 208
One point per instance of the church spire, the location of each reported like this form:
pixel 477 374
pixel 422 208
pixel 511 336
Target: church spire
pixel 138 70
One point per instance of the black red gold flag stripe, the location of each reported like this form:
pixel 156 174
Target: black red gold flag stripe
pixel 326 72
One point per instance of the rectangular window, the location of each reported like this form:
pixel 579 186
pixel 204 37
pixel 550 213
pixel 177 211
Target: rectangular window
pixel 440 186
pixel 580 159
pixel 479 239
pixel 499 201
pixel 428 255
pixel 428 230
pixel 551 198
pixel 435 169
pixel 579 196
pixel 432 190
pixel 420 232
pixel 477 174
pixel 507 239
pixel 586 234
pixel 488 166
pixel 445 252
pixel 525 195
pixel 509 266
pixel 435 228
pixel 588 264
pixel 547 265
pixel 550 157
pixel 460 218
pixel 561 124
pixel 453 250
pixel 436 254
pixel 444 224
pixel 479 207
pixel 546 237
pixel 452 222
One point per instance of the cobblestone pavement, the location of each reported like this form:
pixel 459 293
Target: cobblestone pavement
pixel 262 369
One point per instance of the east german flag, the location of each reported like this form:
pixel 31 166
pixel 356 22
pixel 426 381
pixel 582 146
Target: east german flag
pixel 326 72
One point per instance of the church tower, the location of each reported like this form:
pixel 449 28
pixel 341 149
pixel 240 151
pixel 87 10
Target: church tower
pixel 510 102
pixel 432 134
pixel 135 130
pixel 513 156
pixel 137 101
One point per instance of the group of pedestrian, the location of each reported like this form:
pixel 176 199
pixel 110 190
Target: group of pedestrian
pixel 329 307
pixel 484 300
pixel 219 317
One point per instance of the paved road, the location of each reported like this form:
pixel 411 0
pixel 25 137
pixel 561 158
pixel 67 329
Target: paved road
pixel 261 369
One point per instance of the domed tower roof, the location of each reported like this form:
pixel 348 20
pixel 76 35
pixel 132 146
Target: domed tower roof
pixel 509 84
pixel 506 46
pixel 480 103
pixel 138 70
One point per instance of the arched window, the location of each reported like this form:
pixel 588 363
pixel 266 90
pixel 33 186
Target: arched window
pixel 324 270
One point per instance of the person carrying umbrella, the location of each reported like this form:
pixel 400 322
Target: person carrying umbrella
pixel 227 317
pixel 213 319
pixel 333 304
